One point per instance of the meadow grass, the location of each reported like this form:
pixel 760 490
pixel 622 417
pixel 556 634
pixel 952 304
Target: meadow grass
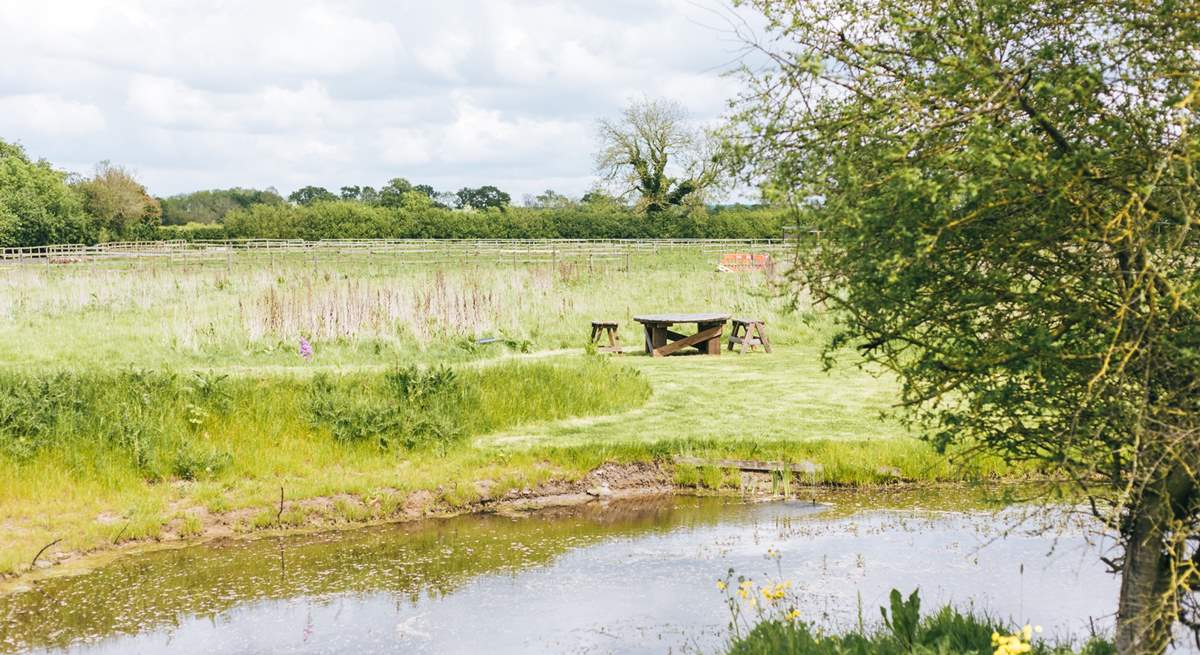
pixel 355 311
pixel 136 397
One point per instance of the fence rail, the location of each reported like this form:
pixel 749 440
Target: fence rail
pixel 414 250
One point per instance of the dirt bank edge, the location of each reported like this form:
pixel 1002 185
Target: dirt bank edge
pixel 346 511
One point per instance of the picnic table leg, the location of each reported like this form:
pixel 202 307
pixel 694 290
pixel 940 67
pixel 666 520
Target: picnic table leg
pixel 658 339
pixel 698 339
pixel 713 345
pixel 649 339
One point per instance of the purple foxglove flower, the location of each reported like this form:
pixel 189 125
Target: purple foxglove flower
pixel 306 350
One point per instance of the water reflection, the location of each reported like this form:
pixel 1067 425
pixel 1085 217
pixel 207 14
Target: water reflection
pixel 628 577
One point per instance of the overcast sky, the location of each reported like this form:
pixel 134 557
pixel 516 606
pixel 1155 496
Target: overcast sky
pixel 196 95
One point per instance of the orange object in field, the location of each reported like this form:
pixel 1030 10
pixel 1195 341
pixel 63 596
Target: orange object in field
pixel 744 261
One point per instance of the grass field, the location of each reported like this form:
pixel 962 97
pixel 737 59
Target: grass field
pixel 111 431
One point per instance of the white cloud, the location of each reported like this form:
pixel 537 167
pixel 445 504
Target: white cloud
pixel 479 135
pixel 168 102
pixel 405 146
pixel 48 115
pixel 291 92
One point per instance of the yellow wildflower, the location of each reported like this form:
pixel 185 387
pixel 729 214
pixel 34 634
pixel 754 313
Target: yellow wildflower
pixel 793 615
pixel 1016 644
pixel 721 585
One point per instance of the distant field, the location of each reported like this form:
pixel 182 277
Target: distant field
pixel 356 306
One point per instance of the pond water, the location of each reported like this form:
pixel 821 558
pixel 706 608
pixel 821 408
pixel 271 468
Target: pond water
pixel 622 577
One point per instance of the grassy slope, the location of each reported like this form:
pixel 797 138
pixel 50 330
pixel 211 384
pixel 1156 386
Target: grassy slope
pixel 782 396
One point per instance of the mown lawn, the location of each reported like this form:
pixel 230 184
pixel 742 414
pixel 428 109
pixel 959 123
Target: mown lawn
pixel 785 395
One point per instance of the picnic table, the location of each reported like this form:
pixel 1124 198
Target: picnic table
pixel 662 341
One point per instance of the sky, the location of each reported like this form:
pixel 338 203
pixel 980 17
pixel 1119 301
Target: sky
pixel 285 93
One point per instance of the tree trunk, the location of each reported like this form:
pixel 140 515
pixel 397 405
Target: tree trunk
pixel 1145 613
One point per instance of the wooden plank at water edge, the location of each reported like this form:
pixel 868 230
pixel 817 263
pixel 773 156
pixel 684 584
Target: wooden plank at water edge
pixel 750 465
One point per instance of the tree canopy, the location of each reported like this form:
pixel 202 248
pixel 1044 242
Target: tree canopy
pixel 36 204
pixel 308 195
pixel 119 203
pixel 482 198
pixel 211 206
pixel 652 153
pixel 1003 199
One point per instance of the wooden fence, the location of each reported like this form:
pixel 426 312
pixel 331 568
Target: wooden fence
pixel 416 251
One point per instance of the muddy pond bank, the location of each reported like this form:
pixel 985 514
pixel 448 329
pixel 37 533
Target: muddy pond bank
pixel 628 576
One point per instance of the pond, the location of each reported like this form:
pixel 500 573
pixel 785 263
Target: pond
pixel 618 577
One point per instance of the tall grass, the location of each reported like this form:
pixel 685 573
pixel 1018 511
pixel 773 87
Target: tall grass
pixel 354 311
pixel 165 425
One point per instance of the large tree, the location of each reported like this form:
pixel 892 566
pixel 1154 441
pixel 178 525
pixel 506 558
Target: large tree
pixel 211 206
pixel 1003 201
pixel 119 203
pixel 482 198
pixel 36 205
pixel 309 195
pixel 652 153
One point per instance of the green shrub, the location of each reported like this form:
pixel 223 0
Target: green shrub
pixel 190 463
pixel 148 418
pixel 409 408
pixel 904 632
pixel 30 410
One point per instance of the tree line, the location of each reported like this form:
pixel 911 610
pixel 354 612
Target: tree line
pixel 657 175
pixel 41 205
pixel 597 219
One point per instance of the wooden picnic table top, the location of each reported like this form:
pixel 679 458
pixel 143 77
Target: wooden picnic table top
pixel 668 319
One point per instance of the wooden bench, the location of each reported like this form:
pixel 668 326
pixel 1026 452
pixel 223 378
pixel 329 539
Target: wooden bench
pixel 743 333
pixel 600 328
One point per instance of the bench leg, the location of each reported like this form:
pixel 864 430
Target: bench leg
pixel 614 342
pixel 762 336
